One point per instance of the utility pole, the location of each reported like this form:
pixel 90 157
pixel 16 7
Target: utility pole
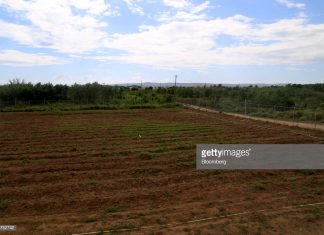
pixel 175 80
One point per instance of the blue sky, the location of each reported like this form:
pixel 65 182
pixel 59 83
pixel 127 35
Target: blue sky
pixel 124 41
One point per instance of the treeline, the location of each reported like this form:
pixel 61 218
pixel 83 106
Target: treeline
pixel 16 91
pixel 310 96
pixel 293 95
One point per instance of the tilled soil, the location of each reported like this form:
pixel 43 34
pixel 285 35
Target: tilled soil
pixel 73 172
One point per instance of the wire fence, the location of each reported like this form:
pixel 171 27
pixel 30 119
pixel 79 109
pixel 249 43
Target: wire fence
pixel 244 107
pixel 261 110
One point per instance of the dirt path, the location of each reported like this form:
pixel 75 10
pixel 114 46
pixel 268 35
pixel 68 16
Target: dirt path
pixel 281 122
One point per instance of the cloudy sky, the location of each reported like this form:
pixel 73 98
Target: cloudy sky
pixel 120 41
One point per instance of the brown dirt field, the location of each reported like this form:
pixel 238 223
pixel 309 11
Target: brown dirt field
pixel 73 172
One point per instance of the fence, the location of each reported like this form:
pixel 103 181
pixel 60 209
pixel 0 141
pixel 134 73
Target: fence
pixel 246 107
pixel 261 110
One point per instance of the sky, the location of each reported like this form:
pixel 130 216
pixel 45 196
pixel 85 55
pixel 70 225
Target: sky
pixel 129 41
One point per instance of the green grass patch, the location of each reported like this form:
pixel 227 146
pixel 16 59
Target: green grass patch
pixel 4 203
pixel 314 215
pixel 89 220
pixel 105 154
pixel 259 186
pixel 146 155
pixel 221 212
pixel 111 210
pixel 307 172
pixel 135 215
pixel 159 149
pixel 59 107
pixel 124 153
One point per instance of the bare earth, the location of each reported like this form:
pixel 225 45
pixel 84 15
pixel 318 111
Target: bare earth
pixel 65 173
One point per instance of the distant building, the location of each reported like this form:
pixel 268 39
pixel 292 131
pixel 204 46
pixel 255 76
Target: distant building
pixel 134 87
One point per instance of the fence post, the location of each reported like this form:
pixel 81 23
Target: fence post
pixel 245 106
pixel 294 114
pixel 315 119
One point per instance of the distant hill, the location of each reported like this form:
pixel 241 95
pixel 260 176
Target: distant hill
pixel 156 84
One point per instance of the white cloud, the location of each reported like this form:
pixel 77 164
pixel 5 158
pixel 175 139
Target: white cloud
pixel 22 34
pixel 177 3
pixel 189 13
pixel 302 15
pixel 195 44
pixel 199 8
pixel 134 7
pixel 185 38
pixel 70 26
pixel 95 7
pixel 181 16
pixel 18 58
pixel 291 4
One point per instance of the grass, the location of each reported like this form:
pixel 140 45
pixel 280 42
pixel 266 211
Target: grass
pixel 197 231
pixel 183 146
pixel 259 186
pixel 314 215
pixel 57 107
pixel 135 215
pixel 89 220
pixel 4 203
pixel 146 155
pixel 318 191
pixel 111 210
pixel 149 128
pixel 169 180
pixel 292 178
pixel 115 229
pixel 124 153
pixel 214 172
pixel 222 211
pixel 105 154
pixel 307 172
pixel 159 149
pixel 269 112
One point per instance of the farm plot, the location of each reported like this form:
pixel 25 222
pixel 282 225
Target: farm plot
pixel 73 172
